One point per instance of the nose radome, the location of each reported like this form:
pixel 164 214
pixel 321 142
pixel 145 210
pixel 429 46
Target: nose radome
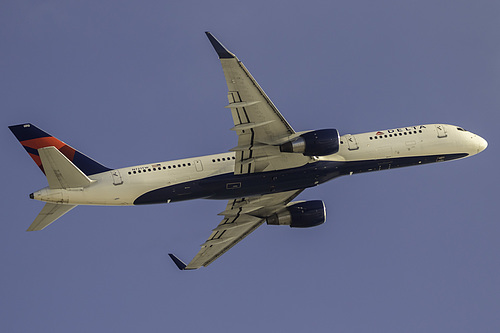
pixel 481 144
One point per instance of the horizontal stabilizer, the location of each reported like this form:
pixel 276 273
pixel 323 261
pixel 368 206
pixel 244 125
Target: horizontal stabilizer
pixel 49 214
pixel 60 171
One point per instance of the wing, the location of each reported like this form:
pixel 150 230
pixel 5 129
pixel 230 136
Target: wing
pixel 241 217
pixel 257 121
pixel 261 129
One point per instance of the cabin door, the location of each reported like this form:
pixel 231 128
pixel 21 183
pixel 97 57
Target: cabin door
pixel 352 144
pixel 441 131
pixel 198 165
pixel 117 178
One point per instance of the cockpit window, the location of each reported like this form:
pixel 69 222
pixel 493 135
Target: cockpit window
pixel 461 129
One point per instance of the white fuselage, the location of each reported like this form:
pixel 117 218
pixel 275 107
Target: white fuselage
pixel 123 186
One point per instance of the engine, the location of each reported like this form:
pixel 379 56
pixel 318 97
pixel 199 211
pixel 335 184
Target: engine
pixel 303 214
pixel 315 143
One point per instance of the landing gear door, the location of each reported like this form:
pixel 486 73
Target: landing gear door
pixel 117 177
pixel 441 131
pixel 352 144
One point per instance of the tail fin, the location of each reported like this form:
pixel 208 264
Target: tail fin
pixel 32 138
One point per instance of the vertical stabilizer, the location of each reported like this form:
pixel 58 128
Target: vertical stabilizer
pixel 32 138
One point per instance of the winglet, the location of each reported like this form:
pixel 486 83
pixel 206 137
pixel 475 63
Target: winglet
pixel 222 52
pixel 179 263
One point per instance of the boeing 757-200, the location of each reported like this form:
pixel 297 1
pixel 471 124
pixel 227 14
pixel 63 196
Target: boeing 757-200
pixel 269 166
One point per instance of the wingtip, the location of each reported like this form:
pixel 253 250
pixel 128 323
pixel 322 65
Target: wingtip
pixel 222 52
pixel 179 263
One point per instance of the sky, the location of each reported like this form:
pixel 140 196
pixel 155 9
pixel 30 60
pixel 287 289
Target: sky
pixel 131 82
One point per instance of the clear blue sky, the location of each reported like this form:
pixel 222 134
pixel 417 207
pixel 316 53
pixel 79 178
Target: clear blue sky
pixel 130 82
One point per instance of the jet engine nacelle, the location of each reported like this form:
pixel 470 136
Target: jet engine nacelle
pixel 315 143
pixel 302 214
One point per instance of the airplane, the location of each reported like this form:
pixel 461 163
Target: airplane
pixel 269 167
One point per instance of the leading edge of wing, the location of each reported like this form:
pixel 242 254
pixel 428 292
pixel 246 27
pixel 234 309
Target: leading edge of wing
pixel 222 52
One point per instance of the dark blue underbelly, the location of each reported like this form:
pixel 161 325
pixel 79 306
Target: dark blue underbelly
pixel 231 186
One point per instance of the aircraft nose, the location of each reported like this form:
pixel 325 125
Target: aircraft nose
pixel 481 144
